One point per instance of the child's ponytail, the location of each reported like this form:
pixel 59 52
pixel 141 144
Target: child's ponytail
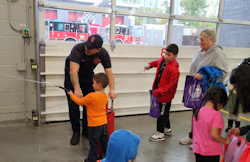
pixel 197 111
pixel 214 94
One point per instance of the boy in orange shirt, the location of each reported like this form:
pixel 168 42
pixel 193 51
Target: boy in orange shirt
pixel 96 112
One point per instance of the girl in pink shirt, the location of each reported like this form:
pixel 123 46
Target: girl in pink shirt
pixel 207 126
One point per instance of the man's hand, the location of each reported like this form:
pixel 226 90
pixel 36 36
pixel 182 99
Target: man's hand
pixel 234 131
pixel 198 76
pixel 78 92
pixel 112 94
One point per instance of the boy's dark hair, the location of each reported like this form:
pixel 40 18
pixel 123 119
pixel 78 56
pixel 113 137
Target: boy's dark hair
pixel 101 78
pixel 173 48
pixel 214 94
pixel 241 77
pixel 245 62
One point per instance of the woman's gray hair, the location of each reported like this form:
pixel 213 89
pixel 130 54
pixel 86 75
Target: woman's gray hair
pixel 209 33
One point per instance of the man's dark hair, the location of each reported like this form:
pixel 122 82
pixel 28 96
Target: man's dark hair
pixel 101 78
pixel 173 48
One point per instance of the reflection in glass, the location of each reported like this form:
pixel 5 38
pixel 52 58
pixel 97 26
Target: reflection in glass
pixel 68 25
pixel 91 3
pixel 185 35
pixel 155 6
pixel 140 30
pixel 201 8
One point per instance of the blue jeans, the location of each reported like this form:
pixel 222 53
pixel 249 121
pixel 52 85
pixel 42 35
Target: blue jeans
pixel 95 134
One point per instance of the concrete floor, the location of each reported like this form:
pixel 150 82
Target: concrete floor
pixel 50 142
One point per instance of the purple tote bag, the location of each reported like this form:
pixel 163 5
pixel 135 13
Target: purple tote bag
pixel 154 106
pixel 193 93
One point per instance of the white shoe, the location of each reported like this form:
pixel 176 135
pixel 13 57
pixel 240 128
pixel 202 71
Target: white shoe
pixel 186 141
pixel 191 147
pixel 157 137
pixel 167 131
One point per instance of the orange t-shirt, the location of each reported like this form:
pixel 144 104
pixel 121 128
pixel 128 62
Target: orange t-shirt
pixel 96 107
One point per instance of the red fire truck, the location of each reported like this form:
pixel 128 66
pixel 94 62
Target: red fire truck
pixel 67 31
pixel 125 34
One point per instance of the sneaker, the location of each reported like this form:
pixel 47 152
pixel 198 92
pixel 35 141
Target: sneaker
pixel 167 131
pixel 186 141
pixel 191 147
pixel 75 139
pixel 157 137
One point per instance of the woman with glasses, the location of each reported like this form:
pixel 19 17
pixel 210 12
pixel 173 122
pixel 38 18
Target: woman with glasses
pixel 209 54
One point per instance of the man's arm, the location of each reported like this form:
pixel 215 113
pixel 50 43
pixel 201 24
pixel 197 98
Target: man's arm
pixel 110 74
pixel 73 72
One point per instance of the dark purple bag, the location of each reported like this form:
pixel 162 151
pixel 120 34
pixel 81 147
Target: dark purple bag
pixel 154 106
pixel 193 93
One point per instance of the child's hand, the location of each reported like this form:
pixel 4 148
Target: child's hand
pixel 156 94
pixel 147 67
pixel 70 92
pixel 227 140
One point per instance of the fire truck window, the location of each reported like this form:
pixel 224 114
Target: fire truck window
pixel 117 30
pixel 82 28
pixel 55 26
pixel 107 30
pixel 67 27
pixel 60 27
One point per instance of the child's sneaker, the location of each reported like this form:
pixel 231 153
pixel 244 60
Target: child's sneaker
pixel 167 131
pixel 191 147
pixel 157 137
pixel 186 141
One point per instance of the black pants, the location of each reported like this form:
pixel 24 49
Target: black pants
pixel 200 158
pixel 163 120
pixel 95 134
pixel 74 112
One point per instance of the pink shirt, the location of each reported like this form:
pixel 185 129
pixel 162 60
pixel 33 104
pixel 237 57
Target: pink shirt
pixel 203 143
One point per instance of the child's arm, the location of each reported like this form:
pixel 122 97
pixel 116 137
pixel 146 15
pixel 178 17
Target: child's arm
pixel 70 92
pixel 214 133
pixel 171 86
pixel 81 101
pixel 154 63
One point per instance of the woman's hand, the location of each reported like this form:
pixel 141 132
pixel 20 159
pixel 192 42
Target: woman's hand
pixel 234 131
pixel 198 76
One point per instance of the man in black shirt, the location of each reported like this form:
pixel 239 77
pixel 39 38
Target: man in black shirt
pixel 79 66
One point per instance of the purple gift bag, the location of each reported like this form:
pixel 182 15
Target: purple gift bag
pixel 154 106
pixel 193 93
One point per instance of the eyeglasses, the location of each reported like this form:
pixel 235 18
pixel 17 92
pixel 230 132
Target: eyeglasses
pixel 201 39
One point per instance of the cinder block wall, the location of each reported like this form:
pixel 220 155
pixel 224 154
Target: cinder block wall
pixel 12 48
pixel 235 35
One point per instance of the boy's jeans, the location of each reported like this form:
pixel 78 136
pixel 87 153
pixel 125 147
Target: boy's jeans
pixel 163 120
pixel 95 134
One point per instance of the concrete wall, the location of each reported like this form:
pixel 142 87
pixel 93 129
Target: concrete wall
pixel 12 98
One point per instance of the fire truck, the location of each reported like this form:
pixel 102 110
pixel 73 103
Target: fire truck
pixel 127 34
pixel 67 31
